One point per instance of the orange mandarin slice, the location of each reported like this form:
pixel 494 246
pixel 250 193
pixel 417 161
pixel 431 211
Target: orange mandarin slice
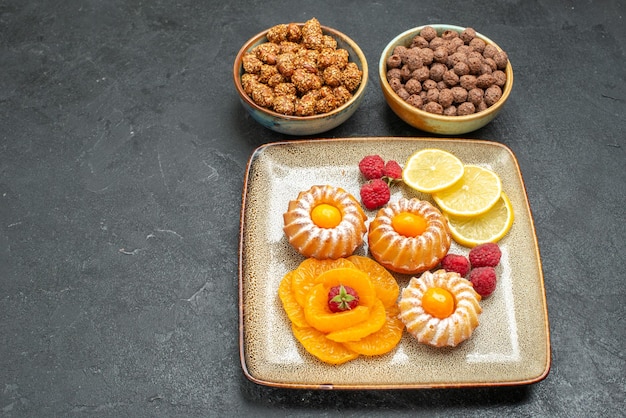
pixel 305 274
pixel 294 311
pixel 383 340
pixel 352 277
pixel 385 285
pixel 372 324
pixel 316 343
pixel 320 317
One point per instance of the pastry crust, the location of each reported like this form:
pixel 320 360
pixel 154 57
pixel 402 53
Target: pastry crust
pixel 409 255
pixel 311 240
pixel 449 331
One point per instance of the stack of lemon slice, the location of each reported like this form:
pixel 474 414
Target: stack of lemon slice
pixel 470 196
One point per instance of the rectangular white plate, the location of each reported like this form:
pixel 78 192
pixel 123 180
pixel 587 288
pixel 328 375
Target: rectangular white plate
pixel 511 346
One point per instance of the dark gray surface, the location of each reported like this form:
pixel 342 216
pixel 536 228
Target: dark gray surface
pixel 122 154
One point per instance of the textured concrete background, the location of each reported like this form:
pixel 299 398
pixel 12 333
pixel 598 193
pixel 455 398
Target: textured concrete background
pixel 122 153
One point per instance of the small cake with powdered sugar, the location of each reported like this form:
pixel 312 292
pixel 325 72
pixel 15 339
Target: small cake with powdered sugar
pixel 325 222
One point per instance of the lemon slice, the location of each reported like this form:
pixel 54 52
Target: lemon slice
pixel 475 193
pixel 431 170
pixel 489 227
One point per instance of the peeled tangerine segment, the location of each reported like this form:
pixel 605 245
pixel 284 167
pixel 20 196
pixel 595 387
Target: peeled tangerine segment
pixel 320 317
pixel 375 322
pixel 305 274
pixel 316 343
pixel 352 277
pixel 382 341
pixel 385 285
pixel 294 311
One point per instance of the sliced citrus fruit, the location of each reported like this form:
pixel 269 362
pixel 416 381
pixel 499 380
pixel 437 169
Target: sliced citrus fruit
pixel 431 170
pixel 386 286
pixel 316 343
pixel 356 279
pixel 383 340
pixel 356 332
pixel 294 311
pixel 477 191
pixel 488 227
pixel 305 274
pixel 320 317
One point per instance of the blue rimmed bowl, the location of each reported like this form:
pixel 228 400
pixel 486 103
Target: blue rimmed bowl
pixel 303 125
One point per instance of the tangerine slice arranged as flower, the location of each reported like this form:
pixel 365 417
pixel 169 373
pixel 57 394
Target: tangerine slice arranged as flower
pixel 356 279
pixel 294 311
pixel 386 286
pixel 305 274
pixel 383 340
pixel 320 317
pixel 375 322
pixel 316 343
pixel 370 328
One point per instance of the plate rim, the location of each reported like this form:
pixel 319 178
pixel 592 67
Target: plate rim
pixel 361 386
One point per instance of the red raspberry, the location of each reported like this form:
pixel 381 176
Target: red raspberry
pixel 342 298
pixel 457 263
pixel 375 194
pixel 485 255
pixel 392 170
pixel 372 166
pixel 484 280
